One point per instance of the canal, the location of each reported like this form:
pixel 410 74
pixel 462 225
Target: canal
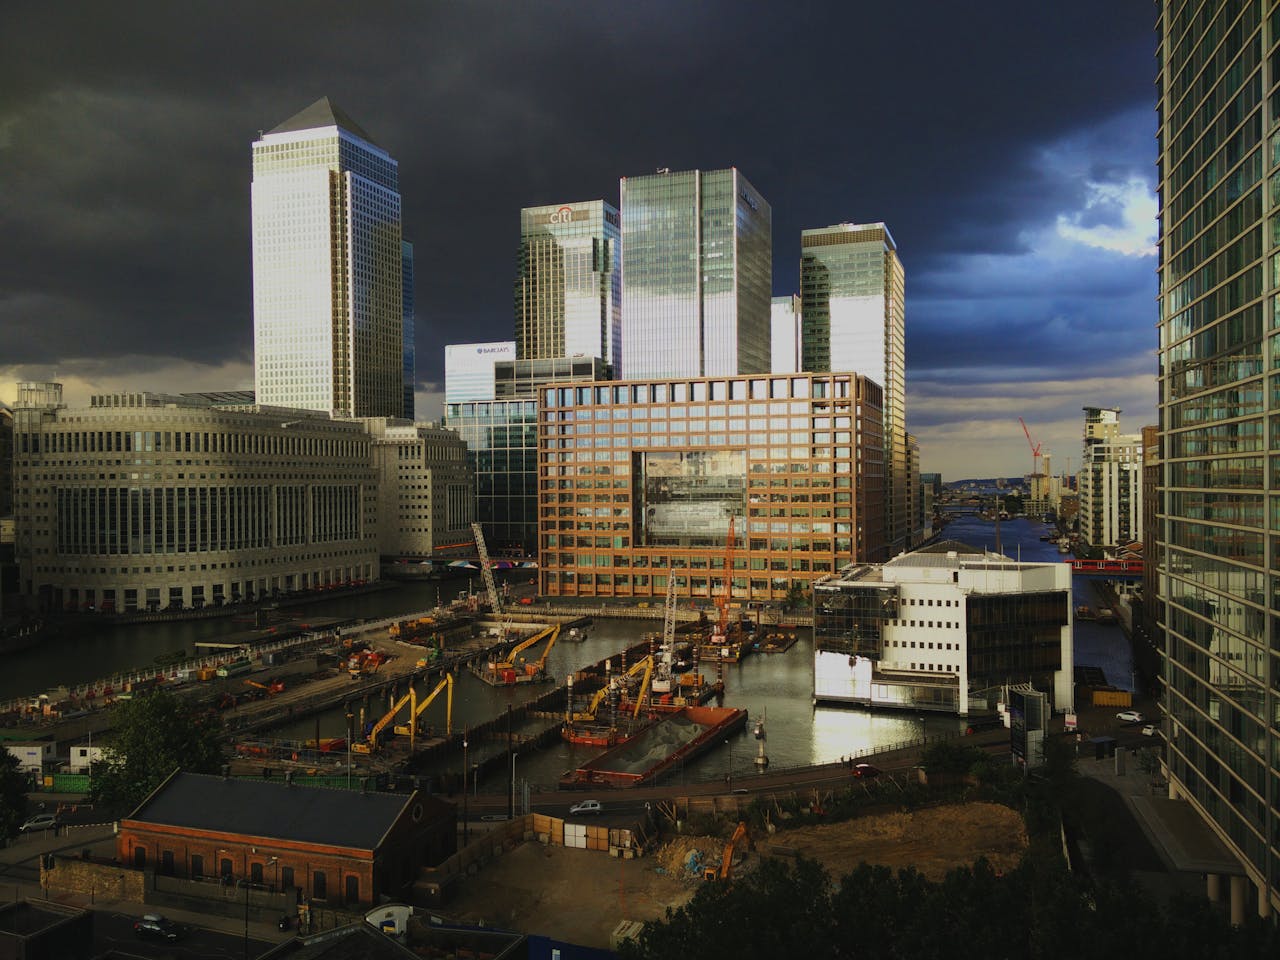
pixel 776 687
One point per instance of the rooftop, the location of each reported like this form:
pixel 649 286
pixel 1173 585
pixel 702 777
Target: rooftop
pixel 273 809
pixel 323 113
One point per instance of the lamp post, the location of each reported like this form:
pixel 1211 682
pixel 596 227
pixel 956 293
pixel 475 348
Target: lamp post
pixel 729 743
pixel 275 884
pixel 512 813
pixel 465 822
pixel 245 881
pixel 350 734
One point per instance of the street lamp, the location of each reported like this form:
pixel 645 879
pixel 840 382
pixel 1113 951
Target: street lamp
pixel 465 823
pixel 729 743
pixel 513 784
pixel 275 884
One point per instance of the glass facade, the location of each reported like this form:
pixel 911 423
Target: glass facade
pixel 568 291
pixel 636 478
pixel 698 259
pixel 784 334
pixel 852 294
pixel 327 285
pixel 1218 540
pixel 501 438
pixel 409 346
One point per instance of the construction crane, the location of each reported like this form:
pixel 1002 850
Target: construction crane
pixel 726 861
pixel 662 681
pixel 1035 448
pixel 644 666
pixel 370 744
pixel 495 605
pixel 510 662
pixel 417 709
pixel 723 601
pixel 535 669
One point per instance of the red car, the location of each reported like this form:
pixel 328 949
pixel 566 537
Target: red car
pixel 865 770
pixel 526 601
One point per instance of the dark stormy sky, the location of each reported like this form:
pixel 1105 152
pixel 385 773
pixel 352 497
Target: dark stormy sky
pixel 1009 146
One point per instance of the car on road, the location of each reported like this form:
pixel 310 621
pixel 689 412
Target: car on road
pixel 1130 716
pixel 586 807
pixel 41 821
pixel 526 601
pixel 865 770
pixel 154 926
pixel 1150 730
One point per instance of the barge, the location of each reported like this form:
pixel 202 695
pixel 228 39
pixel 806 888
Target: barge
pixel 677 738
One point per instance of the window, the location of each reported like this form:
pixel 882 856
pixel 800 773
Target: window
pixel 166 863
pixel 224 869
pixel 319 886
pixel 286 878
pixel 255 873
pixel 197 866
pixel 139 858
pixel 353 888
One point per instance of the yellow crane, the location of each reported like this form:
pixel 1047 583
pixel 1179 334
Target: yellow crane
pixel 510 662
pixel 539 668
pixel 417 709
pixel 644 666
pixel 370 745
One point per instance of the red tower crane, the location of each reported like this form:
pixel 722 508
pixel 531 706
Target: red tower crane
pixel 1035 448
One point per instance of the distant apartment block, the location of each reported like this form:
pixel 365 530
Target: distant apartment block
pixel 1110 481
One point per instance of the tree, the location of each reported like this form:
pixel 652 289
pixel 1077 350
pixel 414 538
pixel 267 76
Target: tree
pixel 13 795
pixel 153 736
pixel 797 597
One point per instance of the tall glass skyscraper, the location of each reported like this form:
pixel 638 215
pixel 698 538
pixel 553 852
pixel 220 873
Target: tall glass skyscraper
pixel 697 262
pixel 409 346
pixel 568 291
pixel 1217 545
pixel 328 317
pixel 853 305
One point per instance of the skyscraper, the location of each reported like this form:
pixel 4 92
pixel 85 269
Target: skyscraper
pixel 784 325
pixel 1110 481
pixel 852 298
pixel 327 270
pixel 568 291
pixel 697 263
pixel 1219 567
pixel 409 346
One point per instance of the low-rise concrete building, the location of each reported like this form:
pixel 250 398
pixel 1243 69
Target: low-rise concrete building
pixel 943 628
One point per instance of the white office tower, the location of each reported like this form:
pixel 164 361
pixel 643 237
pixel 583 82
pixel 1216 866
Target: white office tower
pixel 327 272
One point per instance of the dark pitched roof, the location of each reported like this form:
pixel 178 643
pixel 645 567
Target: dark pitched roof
pixel 323 113
pixel 273 809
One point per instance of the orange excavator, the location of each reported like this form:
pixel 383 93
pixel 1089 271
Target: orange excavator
pixel 272 687
pixel 726 861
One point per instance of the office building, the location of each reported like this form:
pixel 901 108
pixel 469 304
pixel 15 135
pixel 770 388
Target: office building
pixel 143 501
pixel 468 369
pixel 1110 481
pixel 697 263
pixel 942 628
pixel 426 493
pixel 1218 566
pixel 568 288
pixel 639 478
pixel 409 346
pixel 328 316
pixel 784 332
pixel 852 294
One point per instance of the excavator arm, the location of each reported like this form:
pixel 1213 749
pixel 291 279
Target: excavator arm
pixel 370 745
pixel 542 661
pixel 417 709
pixel 523 645
pixel 644 685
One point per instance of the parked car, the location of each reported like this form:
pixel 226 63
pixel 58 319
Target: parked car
pixel 586 807
pixel 1150 730
pixel 1130 716
pixel 153 926
pixel 526 601
pixel 865 770
pixel 41 821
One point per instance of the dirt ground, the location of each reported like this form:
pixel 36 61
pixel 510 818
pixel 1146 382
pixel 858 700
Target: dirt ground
pixel 579 896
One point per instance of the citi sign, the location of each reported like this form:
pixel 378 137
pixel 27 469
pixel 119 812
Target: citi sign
pixel 563 215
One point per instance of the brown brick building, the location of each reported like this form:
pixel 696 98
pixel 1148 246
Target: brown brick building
pixel 334 847
pixel 635 478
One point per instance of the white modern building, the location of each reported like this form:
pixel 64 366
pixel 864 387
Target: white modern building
pixel 697 264
pixel 945 628
pixel 426 491
pixel 468 369
pixel 1110 481
pixel 784 333
pixel 144 501
pixel 328 268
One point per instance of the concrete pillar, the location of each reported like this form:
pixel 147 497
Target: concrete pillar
pixel 1119 761
pixel 1238 886
pixel 1213 887
pixel 1264 903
